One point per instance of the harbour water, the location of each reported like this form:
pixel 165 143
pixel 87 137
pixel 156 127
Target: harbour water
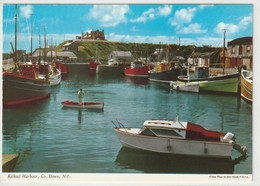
pixel 51 138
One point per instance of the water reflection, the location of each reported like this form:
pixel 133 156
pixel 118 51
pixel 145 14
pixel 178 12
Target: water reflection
pixel 92 74
pixel 151 162
pixel 79 117
pixel 137 80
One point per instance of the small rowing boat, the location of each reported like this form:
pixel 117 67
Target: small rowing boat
pixel 85 105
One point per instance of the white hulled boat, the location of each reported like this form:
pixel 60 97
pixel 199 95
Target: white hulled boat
pixel 175 137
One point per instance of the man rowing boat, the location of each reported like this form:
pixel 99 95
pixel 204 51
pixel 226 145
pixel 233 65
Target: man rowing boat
pixel 80 96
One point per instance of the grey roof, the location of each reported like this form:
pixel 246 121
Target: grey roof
pixel 67 44
pixel 203 54
pixel 36 52
pixel 241 41
pixel 122 53
pixel 62 54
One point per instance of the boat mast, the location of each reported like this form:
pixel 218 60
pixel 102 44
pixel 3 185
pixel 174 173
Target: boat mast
pixel 15 47
pixel 51 50
pixel 55 50
pixel 45 43
pixel 193 54
pixel 31 34
pixel 39 61
pixel 224 57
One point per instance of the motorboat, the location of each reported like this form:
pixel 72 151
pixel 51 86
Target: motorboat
pixel 177 137
pixel 85 105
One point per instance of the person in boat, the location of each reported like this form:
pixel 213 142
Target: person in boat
pixel 80 96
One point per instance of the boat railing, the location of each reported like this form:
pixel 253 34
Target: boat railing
pixel 118 125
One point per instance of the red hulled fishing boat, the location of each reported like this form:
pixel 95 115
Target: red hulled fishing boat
pixel 23 86
pixel 138 69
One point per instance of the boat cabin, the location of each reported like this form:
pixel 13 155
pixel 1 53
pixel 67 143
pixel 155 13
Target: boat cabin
pixel 200 72
pixel 181 130
pixel 164 128
pixel 137 64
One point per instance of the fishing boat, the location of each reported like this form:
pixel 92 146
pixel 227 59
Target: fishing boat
pixel 50 71
pixel 247 86
pixel 227 83
pixel 138 69
pixel 164 72
pixel 177 137
pixel 93 65
pixel 85 105
pixel 24 85
pixel 61 66
pixel 187 87
pixel 54 76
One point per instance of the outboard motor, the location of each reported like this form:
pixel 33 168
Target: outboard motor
pixel 228 136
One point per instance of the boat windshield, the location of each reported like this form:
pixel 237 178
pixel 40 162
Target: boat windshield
pixel 146 131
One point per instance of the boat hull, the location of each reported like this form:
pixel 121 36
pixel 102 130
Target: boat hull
pixel 93 65
pixel 86 105
pixel 55 79
pixel 63 68
pixel 19 90
pixel 175 146
pixel 138 72
pixel 246 86
pixel 165 76
pixel 189 87
pixel 224 84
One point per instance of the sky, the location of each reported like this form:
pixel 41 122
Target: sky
pixel 144 23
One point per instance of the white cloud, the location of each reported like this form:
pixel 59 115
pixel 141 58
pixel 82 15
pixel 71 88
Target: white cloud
pixel 165 11
pixel 231 27
pixel 109 15
pixel 142 39
pixel 153 13
pixel 149 14
pixel 182 16
pixel 192 28
pixel 8 20
pixel 245 21
pixel 134 29
pixel 26 11
pixel 204 6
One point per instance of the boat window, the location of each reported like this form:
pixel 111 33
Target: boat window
pixel 147 132
pixel 164 132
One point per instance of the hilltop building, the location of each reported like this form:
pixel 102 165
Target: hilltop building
pixel 95 35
